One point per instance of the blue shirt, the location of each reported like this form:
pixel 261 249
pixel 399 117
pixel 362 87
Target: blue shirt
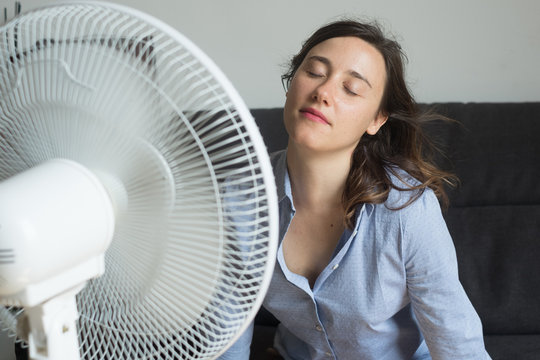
pixel 391 290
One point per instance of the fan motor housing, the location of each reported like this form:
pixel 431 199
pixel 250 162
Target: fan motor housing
pixel 44 214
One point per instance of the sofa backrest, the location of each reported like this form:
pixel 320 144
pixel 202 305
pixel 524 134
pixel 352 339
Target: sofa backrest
pixel 494 214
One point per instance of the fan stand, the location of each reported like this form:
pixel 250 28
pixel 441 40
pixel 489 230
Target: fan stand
pixel 54 329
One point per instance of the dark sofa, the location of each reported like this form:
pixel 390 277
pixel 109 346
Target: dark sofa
pixel 494 217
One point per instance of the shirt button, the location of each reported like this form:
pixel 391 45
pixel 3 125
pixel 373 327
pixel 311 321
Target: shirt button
pixel 335 267
pixel 327 354
pixel 318 327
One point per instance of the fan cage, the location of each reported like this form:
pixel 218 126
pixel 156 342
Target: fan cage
pixel 123 94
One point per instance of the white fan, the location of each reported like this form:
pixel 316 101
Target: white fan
pixel 138 215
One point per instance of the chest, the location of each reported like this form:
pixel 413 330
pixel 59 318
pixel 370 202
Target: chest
pixel 364 284
pixel 310 242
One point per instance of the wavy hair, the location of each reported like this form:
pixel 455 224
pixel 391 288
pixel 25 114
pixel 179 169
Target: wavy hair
pixel 399 143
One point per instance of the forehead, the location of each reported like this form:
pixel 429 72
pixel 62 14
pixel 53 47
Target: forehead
pixel 351 54
pixel 347 45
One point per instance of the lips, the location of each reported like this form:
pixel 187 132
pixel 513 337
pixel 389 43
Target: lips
pixel 314 115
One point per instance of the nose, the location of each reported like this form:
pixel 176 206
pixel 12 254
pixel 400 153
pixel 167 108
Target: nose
pixel 323 93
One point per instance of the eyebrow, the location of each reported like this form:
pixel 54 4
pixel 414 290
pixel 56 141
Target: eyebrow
pixel 353 73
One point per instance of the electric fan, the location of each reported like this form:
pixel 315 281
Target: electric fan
pixel 138 214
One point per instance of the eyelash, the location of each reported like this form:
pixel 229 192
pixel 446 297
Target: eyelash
pixel 350 92
pixel 312 74
pixel 316 75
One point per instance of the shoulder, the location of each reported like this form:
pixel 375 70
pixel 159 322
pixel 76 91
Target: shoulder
pixel 414 219
pixel 418 213
pixel 406 193
pixel 406 203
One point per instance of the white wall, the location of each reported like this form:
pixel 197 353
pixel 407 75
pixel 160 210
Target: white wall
pixel 460 50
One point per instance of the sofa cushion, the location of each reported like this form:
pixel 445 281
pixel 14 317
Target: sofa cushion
pixel 270 123
pixel 498 250
pixel 494 148
pixel 518 347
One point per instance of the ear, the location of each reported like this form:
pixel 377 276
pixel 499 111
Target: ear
pixel 376 123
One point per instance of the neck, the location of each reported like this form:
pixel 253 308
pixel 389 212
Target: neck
pixel 317 180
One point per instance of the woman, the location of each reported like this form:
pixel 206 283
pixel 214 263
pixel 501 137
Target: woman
pixel 366 268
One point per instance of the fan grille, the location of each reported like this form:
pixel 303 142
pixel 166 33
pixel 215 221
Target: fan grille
pixel 127 97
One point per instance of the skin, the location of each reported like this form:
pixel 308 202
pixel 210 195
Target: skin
pixel 333 99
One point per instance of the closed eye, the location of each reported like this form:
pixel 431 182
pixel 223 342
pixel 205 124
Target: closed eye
pixel 314 74
pixel 349 91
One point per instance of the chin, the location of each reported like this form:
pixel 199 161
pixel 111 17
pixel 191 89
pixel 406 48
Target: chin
pixel 307 142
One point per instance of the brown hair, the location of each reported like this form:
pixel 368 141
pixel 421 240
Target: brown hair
pixel 399 143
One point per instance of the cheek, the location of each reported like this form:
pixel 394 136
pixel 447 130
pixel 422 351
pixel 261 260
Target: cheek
pixel 291 102
pixel 288 114
pixel 299 88
pixel 356 123
pixel 292 90
pixel 287 109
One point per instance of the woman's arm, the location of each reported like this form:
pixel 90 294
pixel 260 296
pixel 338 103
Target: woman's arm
pixel 447 319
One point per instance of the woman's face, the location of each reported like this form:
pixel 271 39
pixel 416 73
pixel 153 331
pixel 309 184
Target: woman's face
pixel 334 96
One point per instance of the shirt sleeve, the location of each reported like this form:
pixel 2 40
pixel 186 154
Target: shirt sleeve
pixel 241 348
pixel 447 319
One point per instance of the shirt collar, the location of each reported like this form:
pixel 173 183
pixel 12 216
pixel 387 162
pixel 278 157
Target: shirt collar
pixel 283 183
